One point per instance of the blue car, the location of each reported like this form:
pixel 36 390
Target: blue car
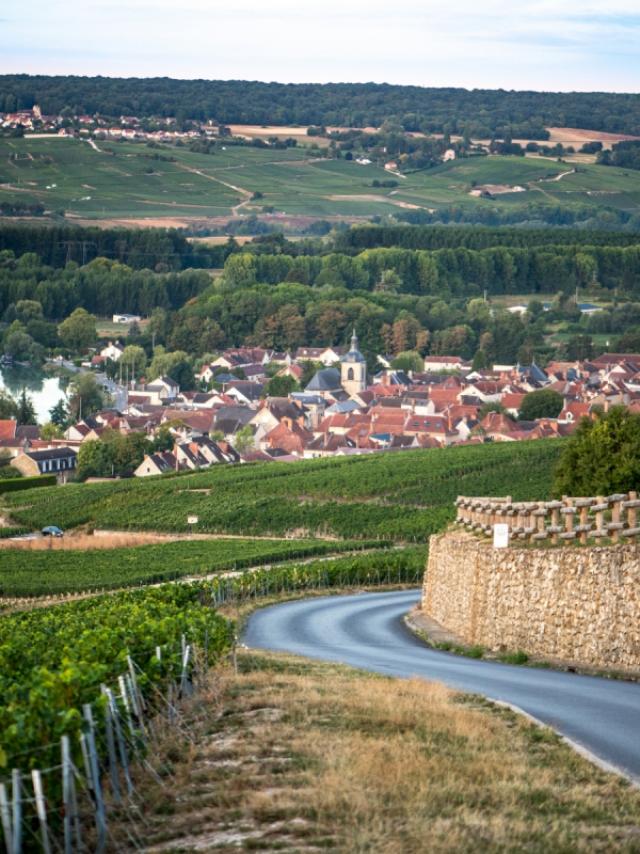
pixel 52 531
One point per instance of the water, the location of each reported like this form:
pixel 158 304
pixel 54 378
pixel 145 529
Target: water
pixel 44 390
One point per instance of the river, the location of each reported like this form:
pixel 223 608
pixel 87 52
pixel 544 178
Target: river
pixel 44 390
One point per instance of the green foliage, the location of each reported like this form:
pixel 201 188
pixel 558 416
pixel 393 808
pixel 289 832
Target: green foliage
pixel 16 485
pixel 8 406
pixel 404 497
pixel 18 344
pixel 52 660
pixel 13 531
pixel 85 396
pixel 50 431
pixel 135 359
pixel 43 573
pixel 542 403
pixel 26 412
pixel 281 386
pixel 78 331
pixel 409 360
pixel 59 414
pixel 392 566
pixel 602 457
pixel 477 112
pixel 114 454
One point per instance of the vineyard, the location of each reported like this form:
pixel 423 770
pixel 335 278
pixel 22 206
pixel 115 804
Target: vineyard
pixel 44 573
pixel 404 497
pixel 55 662
pixel 52 660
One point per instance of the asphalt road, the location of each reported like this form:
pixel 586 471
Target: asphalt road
pixel 366 631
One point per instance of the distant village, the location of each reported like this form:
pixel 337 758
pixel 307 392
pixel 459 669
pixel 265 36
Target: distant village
pixel 341 411
pixel 125 127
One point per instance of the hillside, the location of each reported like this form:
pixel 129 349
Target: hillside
pixel 128 183
pixel 399 496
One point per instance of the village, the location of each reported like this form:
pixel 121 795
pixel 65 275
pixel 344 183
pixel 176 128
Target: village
pixel 342 410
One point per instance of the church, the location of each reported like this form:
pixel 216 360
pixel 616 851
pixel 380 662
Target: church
pixel 348 376
pixel 353 369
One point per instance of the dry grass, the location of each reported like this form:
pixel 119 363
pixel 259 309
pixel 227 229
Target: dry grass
pixel 305 756
pixel 83 542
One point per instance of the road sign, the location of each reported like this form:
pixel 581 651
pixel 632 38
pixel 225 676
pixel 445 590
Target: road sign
pixel 500 536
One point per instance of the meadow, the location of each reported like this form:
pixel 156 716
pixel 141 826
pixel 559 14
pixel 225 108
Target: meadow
pixel 118 180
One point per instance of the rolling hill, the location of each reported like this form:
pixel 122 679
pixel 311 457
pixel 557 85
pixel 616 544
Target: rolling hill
pixel 136 184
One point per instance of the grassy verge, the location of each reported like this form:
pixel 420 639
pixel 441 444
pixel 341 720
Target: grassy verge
pixel 300 755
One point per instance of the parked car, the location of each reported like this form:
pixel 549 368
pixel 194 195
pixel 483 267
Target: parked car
pixel 52 531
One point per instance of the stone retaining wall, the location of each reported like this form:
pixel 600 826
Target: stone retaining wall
pixel 577 604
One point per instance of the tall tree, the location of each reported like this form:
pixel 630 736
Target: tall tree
pixel 78 331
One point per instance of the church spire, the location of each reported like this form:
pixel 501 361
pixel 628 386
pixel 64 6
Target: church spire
pixel 354 340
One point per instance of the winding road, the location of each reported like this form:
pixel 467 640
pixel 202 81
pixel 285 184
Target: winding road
pixel 599 716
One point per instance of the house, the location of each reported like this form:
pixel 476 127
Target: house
pixel 244 391
pixel 443 363
pixel 293 440
pixel 126 318
pixel 229 419
pixel 112 351
pixel 159 463
pixel 327 355
pixel 59 461
pixel 162 388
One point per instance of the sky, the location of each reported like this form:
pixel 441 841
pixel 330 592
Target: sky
pixel 560 45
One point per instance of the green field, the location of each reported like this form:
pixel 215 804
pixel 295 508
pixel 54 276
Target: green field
pixel 403 497
pixel 123 180
pixel 37 573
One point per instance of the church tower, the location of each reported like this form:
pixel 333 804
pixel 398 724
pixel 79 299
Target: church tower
pixel 353 369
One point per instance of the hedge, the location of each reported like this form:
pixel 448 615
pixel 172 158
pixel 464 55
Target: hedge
pixel 18 483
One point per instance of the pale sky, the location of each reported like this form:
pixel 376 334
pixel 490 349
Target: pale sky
pixel 527 44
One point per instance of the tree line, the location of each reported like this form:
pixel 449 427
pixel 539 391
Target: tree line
pixel 103 287
pixel 450 271
pixel 452 237
pixel 481 112
pixel 144 248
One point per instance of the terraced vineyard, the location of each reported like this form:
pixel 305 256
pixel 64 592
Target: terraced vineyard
pixel 403 497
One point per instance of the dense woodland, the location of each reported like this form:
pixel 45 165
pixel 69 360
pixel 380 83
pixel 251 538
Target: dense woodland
pixel 482 112
pixel 153 249
pixel 625 154
pixel 404 288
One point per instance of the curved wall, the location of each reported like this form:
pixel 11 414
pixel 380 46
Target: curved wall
pixel 575 604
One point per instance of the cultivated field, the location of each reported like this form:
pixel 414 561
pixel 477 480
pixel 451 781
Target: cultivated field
pixel 402 497
pixel 121 183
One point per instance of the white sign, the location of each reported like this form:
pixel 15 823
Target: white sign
pixel 500 536
pixel 193 520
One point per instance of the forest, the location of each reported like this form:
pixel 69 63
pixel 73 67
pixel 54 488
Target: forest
pixel 156 249
pixel 283 294
pixel 482 112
